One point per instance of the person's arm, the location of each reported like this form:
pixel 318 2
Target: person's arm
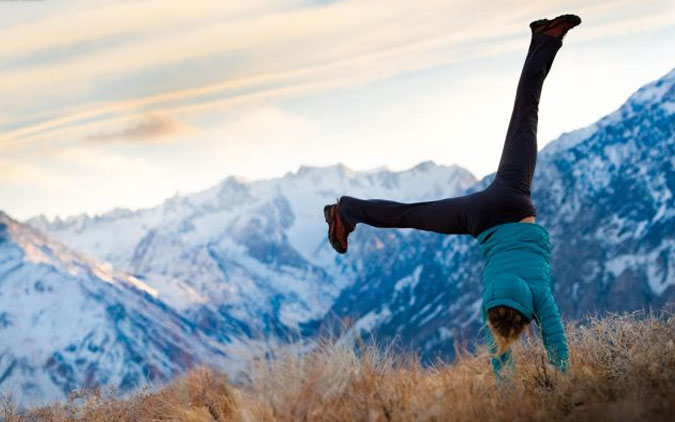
pixel 551 327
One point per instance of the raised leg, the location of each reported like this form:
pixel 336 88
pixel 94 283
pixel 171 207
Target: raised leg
pixel 507 199
pixel 447 216
pixel 519 156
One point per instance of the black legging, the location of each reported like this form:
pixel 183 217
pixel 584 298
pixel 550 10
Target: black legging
pixel 507 199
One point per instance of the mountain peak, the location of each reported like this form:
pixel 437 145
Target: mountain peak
pixel 425 165
pixel 3 216
pixel 655 92
pixel 338 168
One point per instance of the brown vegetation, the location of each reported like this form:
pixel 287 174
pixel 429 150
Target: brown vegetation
pixel 622 369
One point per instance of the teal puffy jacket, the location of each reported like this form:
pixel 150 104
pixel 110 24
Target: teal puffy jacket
pixel 518 274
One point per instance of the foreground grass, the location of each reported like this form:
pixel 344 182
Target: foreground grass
pixel 622 369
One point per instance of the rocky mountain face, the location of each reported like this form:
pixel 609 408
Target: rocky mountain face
pixel 609 202
pixel 68 321
pixel 250 260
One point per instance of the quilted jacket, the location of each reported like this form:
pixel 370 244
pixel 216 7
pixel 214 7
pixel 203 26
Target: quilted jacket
pixel 518 274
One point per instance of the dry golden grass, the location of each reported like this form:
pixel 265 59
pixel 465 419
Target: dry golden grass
pixel 622 369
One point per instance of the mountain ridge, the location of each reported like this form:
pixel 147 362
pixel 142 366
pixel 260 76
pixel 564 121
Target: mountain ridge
pixel 42 221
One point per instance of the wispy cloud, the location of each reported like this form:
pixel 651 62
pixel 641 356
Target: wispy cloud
pixel 152 128
pixel 275 49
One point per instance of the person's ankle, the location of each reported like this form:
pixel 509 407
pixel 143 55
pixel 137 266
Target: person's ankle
pixel 341 214
pixel 548 38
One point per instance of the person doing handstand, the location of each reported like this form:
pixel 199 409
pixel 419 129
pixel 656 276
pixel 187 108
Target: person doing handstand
pixel 517 275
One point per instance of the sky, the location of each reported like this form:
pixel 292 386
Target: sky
pixel 123 103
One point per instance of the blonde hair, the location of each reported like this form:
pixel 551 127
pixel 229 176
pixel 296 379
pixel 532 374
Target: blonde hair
pixel 506 325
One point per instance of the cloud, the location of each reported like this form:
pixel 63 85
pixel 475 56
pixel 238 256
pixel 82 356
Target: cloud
pixel 152 129
pixel 274 50
pixel 98 176
pixel 214 58
pixel 85 22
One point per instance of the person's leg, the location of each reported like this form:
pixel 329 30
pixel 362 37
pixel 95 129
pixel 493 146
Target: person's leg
pixel 519 156
pixel 447 216
pixel 505 200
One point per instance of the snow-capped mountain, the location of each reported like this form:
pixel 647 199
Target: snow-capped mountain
pixel 609 200
pixel 606 195
pixel 255 252
pixel 68 321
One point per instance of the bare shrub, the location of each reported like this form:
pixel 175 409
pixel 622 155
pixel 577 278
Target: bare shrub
pixel 9 411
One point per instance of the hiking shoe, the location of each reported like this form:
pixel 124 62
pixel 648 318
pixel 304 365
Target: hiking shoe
pixel 337 229
pixel 557 27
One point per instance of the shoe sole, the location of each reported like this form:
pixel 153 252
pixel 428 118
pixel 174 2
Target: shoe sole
pixel 569 18
pixel 331 229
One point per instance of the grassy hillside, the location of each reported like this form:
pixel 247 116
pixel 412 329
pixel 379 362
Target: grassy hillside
pixel 622 369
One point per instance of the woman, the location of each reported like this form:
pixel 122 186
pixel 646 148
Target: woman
pixel 517 276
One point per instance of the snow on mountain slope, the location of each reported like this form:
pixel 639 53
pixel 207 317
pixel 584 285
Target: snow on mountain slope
pixel 68 321
pixel 256 250
pixel 615 192
pixel 606 195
